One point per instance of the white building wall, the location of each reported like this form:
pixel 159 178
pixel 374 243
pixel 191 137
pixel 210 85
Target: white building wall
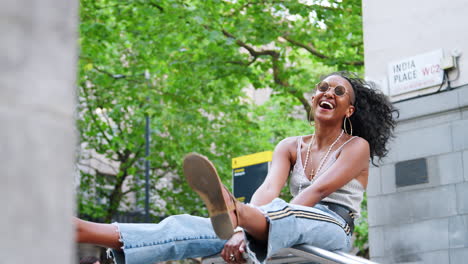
pixel 399 29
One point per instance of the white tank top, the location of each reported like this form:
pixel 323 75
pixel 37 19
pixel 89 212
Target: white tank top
pixel 350 195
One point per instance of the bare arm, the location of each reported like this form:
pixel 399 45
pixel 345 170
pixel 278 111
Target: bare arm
pixel 270 189
pixel 277 175
pixel 354 158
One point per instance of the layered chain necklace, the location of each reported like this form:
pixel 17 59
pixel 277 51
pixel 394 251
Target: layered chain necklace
pixel 314 172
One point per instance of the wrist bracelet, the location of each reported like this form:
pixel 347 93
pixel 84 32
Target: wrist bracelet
pixel 238 229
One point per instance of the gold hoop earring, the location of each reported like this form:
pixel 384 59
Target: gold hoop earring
pixel 350 125
pixel 311 117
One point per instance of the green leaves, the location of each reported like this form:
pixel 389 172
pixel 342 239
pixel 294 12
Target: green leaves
pixel 361 230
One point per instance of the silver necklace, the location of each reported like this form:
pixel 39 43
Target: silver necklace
pixel 313 173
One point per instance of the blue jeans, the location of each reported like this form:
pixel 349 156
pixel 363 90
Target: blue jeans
pixel 185 236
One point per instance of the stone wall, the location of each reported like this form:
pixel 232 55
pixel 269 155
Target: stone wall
pixel 37 135
pixel 428 222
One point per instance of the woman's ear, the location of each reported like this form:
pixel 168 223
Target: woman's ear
pixel 350 111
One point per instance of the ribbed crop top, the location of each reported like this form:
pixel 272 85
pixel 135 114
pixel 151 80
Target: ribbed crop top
pixel 350 195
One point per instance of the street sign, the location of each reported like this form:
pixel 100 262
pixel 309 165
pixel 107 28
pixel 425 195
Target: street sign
pixel 414 73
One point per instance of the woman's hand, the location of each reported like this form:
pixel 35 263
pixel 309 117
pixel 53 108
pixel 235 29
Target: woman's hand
pixel 233 249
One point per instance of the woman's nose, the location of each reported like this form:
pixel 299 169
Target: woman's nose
pixel 329 92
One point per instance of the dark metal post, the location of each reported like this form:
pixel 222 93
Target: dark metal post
pixel 147 168
pixel 147 164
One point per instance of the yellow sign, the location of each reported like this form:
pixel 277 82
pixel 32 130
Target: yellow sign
pixel 252 159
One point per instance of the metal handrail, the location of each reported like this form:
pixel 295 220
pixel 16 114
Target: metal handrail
pixel 323 256
pixel 303 254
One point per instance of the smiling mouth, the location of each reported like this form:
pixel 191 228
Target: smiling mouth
pixel 326 105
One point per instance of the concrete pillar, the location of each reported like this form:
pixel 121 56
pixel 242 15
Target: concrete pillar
pixel 37 135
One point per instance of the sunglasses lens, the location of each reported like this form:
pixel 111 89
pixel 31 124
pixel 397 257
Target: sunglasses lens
pixel 340 90
pixel 322 86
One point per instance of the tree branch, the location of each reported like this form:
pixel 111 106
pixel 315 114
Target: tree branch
pixel 114 76
pixel 276 67
pixel 121 76
pixel 311 49
pixel 129 191
pixel 304 102
pixel 251 50
pixel 98 172
pixel 162 168
pixel 115 197
pixel 254 59
pixel 257 53
pixel 157 6
pixel 93 117
pixel 264 2
pixel 130 163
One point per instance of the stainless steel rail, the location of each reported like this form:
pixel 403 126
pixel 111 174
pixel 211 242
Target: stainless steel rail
pixel 303 254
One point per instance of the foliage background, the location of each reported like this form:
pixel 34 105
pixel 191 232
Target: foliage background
pixel 186 65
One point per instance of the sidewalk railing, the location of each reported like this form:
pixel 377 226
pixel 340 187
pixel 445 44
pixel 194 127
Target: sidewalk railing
pixel 303 254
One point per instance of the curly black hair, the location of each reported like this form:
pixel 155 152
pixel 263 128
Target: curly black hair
pixel 374 115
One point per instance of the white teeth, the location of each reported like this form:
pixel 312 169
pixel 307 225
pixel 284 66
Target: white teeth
pixel 326 103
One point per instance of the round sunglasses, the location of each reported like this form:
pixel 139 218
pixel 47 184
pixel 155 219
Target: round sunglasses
pixel 338 90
